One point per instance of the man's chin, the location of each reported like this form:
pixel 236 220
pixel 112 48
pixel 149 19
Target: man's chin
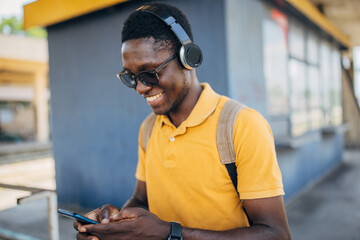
pixel 159 111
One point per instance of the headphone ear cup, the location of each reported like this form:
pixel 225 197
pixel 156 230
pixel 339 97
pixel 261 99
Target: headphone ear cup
pixel 190 56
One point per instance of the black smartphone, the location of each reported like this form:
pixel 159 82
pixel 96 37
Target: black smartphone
pixel 76 216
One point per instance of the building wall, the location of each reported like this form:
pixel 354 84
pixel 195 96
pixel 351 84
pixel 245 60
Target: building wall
pixel 244 47
pixel 302 159
pixel 95 119
pixel 306 164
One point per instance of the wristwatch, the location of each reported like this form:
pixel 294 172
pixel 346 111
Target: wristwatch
pixel 175 231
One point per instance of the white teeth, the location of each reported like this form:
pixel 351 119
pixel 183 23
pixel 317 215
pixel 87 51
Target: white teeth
pixel 152 98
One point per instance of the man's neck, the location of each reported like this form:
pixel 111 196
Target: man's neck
pixel 183 112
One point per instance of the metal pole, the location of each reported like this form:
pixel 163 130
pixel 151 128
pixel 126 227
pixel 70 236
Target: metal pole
pixel 53 221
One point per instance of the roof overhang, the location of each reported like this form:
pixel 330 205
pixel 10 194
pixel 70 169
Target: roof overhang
pixel 44 13
pixel 308 10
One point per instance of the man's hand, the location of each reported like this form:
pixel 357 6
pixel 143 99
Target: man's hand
pixel 130 223
pixel 101 215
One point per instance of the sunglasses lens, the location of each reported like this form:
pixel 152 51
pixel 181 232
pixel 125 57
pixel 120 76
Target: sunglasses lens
pixel 148 78
pixel 128 80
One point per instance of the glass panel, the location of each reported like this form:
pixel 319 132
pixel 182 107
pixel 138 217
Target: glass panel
pixel 314 101
pixel 357 85
pixel 298 97
pixel 335 91
pixel 275 63
pixel 325 66
pixel 275 70
pixel 312 49
pixel 356 55
pixel 297 41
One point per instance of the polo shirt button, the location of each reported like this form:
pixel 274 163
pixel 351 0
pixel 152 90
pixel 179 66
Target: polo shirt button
pixel 172 139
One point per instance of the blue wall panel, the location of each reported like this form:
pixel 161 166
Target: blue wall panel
pixel 95 119
pixel 302 166
pixel 245 54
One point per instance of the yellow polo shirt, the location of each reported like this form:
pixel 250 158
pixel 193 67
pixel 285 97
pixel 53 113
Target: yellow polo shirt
pixel 185 179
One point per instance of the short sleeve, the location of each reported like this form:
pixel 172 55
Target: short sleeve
pixel 259 175
pixel 140 169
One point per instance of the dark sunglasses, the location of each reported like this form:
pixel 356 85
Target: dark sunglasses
pixel 148 78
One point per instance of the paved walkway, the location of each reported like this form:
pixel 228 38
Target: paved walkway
pixel 29 222
pixel 328 210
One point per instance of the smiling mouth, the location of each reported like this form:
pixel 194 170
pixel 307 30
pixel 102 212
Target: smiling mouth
pixel 152 98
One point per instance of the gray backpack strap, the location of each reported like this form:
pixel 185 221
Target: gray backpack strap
pixel 225 130
pixel 225 143
pixel 148 125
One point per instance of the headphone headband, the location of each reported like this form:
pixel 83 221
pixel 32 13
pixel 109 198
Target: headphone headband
pixel 190 54
pixel 168 20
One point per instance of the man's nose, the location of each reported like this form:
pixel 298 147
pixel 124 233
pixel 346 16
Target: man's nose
pixel 141 88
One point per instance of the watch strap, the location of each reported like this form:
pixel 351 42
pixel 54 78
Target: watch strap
pixel 175 231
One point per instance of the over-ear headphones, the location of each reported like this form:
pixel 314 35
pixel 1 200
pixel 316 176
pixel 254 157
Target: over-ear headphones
pixel 190 54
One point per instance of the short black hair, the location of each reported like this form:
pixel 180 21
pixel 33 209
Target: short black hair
pixel 145 25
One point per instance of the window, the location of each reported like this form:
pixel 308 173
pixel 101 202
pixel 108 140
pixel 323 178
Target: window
pixel 331 85
pixel 315 117
pixel 335 90
pixel 325 81
pixel 312 49
pixel 315 112
pixel 298 97
pixel 303 78
pixel 275 70
pixel 356 57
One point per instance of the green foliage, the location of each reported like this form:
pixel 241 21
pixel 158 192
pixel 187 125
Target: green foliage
pixel 36 32
pixel 11 25
pixel 14 25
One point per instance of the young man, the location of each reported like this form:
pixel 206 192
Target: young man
pixel 180 179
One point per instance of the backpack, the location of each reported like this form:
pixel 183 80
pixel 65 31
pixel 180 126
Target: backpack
pixel 224 136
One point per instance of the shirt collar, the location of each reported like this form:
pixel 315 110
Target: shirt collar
pixel 205 105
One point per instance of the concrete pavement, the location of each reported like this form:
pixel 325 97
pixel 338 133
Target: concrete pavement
pixel 29 222
pixel 329 209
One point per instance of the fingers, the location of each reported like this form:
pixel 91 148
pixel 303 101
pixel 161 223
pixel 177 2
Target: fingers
pixel 129 213
pixel 110 228
pixel 76 225
pixel 107 212
pixel 121 222
pixel 84 236
pixel 94 215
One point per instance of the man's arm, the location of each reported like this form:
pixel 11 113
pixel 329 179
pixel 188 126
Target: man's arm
pixel 267 214
pixel 139 197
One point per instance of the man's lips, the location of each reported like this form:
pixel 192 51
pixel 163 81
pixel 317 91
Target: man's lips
pixel 154 97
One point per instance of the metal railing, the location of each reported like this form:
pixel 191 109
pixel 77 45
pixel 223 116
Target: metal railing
pixel 36 194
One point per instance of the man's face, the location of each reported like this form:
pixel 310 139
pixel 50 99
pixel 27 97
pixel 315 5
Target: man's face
pixel 168 96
